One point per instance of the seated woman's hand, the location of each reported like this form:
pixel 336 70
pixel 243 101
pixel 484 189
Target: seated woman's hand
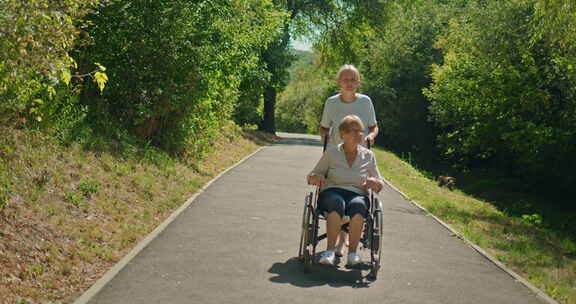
pixel 316 180
pixel 374 184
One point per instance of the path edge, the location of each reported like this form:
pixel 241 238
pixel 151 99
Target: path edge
pixel 112 272
pixel 537 291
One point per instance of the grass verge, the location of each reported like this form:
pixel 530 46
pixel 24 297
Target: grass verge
pixel 67 214
pixel 545 257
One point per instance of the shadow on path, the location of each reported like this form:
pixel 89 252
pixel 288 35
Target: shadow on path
pixel 291 272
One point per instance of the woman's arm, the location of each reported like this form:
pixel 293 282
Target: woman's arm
pixel 374 181
pixel 375 184
pixel 317 175
pixel 372 123
pixel 323 133
pixel 325 121
pixel 316 180
pixel 372 133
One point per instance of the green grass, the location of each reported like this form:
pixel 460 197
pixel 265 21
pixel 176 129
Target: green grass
pixel 68 212
pixel 543 254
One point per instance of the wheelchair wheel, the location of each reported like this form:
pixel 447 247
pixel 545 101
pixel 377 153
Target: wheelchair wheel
pixel 307 235
pixel 376 239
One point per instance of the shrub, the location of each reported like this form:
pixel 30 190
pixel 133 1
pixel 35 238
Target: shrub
pixel 506 94
pixel 88 186
pixel 175 66
pixel 35 38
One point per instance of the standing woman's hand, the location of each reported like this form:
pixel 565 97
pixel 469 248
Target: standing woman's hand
pixel 316 180
pixel 372 133
pixel 324 132
pixel 370 139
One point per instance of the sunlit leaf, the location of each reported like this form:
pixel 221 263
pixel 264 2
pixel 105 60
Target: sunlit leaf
pixel 66 77
pixel 100 67
pixel 101 79
pixel 51 92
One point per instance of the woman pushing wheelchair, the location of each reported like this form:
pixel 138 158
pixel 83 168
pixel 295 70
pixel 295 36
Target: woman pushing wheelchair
pixel 345 173
pixel 347 102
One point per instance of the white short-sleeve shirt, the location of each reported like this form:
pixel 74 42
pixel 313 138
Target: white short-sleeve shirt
pixel 335 109
pixel 339 174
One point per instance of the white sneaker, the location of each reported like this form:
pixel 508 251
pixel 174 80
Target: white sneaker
pixel 327 257
pixel 353 259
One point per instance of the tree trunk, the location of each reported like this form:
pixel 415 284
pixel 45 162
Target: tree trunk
pixel 269 125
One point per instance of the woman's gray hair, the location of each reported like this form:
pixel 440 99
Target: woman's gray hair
pixel 347 122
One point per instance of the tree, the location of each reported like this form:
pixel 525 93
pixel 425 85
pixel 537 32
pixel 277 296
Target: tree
pixel 392 44
pixel 35 38
pixel 306 17
pixel 300 104
pixel 277 58
pixel 175 67
pixel 505 93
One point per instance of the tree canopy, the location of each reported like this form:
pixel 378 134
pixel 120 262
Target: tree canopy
pixel 481 83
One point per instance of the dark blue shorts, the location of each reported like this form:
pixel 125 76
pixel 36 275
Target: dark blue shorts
pixel 344 202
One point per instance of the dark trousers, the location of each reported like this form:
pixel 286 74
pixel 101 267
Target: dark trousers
pixel 343 201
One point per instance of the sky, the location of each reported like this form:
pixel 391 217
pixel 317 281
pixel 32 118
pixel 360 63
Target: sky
pixel 302 45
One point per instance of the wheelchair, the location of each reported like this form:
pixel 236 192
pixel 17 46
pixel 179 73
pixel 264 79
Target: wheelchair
pixel 371 234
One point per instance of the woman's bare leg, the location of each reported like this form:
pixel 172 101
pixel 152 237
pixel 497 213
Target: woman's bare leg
pixel 342 242
pixel 332 228
pixel 356 225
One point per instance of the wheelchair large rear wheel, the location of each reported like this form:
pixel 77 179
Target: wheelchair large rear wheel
pixel 376 240
pixel 306 238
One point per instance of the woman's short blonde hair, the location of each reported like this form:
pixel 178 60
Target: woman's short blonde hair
pixel 348 122
pixel 347 67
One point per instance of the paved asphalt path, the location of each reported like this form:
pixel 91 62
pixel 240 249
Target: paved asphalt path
pixel 237 242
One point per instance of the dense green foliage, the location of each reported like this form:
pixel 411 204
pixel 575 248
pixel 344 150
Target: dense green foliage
pixel 300 104
pixel 505 92
pixel 478 83
pixel 166 73
pixel 337 26
pixel 487 83
pixel 307 17
pixel 173 70
pixel 392 45
pixel 35 38
pixel 175 67
pixel 397 66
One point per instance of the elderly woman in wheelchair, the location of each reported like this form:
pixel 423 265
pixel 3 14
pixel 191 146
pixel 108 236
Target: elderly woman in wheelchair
pixel 345 174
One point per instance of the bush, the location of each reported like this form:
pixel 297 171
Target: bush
pixel 300 105
pixel 175 66
pixel 88 186
pixel 506 94
pixel 397 68
pixel 35 38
